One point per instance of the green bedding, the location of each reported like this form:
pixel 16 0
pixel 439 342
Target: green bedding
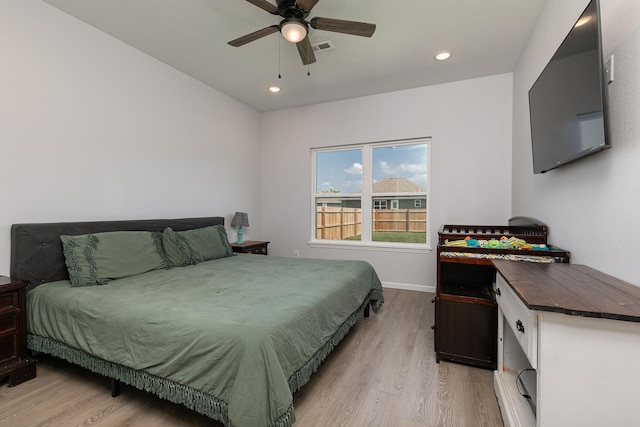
pixel 239 333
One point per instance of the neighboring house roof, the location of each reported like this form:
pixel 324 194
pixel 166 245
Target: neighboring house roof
pixel 387 185
pixel 396 185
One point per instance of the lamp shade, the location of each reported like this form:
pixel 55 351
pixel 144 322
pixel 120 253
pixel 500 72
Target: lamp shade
pixel 240 219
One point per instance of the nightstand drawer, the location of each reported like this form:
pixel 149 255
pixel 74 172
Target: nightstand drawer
pixel 8 300
pixel 8 347
pixel 15 362
pixel 8 322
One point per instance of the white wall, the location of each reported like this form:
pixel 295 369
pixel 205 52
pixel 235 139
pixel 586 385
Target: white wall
pixel 470 125
pixel 591 206
pixel 92 129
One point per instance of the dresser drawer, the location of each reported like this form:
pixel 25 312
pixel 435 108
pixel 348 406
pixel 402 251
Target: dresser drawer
pixel 522 321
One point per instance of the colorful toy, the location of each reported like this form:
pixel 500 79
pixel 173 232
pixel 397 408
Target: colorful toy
pixel 493 244
pixel 540 247
pixel 455 242
pixel 503 243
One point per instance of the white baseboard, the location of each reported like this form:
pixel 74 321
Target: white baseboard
pixel 409 287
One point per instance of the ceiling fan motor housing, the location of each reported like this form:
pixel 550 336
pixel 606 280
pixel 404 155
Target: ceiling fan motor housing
pixel 289 9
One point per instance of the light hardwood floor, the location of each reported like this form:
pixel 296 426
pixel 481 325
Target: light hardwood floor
pixel 383 374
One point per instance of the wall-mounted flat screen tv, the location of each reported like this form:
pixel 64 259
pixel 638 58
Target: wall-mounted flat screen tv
pixel 568 101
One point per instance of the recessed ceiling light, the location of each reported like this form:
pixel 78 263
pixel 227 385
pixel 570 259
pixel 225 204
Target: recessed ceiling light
pixel 441 56
pixel 274 89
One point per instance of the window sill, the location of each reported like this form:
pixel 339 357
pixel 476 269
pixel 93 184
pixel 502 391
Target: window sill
pixel 371 246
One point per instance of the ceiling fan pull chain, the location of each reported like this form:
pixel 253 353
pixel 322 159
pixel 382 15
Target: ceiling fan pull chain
pixel 279 76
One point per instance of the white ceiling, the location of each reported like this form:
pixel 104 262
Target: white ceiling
pixel 485 37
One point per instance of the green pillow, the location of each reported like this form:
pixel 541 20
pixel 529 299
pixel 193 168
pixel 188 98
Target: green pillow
pixel 175 249
pixel 193 246
pixel 95 259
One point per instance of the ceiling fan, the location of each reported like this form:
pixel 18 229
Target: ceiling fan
pixel 294 27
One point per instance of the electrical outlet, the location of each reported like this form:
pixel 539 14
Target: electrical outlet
pixel 296 253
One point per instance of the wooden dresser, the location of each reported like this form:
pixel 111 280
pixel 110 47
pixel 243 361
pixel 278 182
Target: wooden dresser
pixel 576 331
pixel 14 362
pixel 466 321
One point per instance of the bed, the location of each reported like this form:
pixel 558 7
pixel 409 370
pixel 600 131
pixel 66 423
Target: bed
pixel 232 337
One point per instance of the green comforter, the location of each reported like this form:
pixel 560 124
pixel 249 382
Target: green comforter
pixel 238 329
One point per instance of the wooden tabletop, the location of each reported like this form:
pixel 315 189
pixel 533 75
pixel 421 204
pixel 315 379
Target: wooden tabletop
pixel 572 289
pixel 248 243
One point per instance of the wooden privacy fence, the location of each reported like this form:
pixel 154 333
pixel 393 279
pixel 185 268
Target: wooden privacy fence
pixel 336 223
pixel 407 220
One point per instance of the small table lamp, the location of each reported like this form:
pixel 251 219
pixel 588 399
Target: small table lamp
pixel 240 219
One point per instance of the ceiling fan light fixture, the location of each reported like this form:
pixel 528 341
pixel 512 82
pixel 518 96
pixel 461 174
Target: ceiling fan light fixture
pixel 293 30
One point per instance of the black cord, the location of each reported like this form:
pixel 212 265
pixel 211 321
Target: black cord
pixel 522 393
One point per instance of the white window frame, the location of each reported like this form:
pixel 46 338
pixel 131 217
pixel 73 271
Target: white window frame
pixel 417 203
pixel 395 204
pixel 378 204
pixel 366 200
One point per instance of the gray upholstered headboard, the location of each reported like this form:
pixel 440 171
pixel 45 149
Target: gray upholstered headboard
pixel 36 249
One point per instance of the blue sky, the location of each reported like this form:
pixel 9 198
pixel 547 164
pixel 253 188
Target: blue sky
pixel 342 170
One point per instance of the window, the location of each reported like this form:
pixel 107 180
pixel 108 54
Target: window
pixel 379 204
pixel 372 194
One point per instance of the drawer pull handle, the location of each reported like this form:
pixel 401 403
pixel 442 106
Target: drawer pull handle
pixel 498 292
pixel 519 326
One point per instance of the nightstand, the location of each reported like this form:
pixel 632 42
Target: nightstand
pixel 13 334
pixel 250 247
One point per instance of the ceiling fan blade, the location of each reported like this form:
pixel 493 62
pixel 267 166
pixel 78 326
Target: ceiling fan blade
pixel 306 51
pixel 306 5
pixel 265 5
pixel 254 36
pixel 340 26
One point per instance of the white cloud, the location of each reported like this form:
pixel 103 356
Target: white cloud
pixel 419 179
pixel 353 185
pixel 355 169
pixel 403 169
pixel 325 186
